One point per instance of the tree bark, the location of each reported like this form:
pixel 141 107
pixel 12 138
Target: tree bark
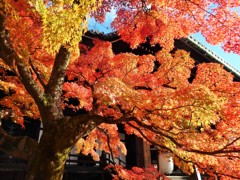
pixel 50 157
pixel 48 160
pixel 42 167
pixel 55 145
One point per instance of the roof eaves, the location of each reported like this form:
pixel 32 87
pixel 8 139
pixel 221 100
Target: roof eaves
pixel 111 37
pixel 209 54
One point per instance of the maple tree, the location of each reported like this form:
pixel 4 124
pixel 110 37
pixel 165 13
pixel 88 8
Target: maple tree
pixel 196 121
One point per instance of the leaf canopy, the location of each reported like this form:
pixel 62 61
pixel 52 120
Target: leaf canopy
pixel 42 74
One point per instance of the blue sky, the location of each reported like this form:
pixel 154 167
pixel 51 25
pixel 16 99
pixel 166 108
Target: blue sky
pixel 104 27
pixel 232 59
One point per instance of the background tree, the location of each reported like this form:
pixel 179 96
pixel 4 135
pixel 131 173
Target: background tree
pixel 196 121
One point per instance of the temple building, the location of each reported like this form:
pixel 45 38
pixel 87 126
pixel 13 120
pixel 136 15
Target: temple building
pixel 139 153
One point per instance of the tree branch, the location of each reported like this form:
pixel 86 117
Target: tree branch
pixel 72 128
pixel 54 86
pixel 20 146
pixel 214 16
pixel 36 72
pixel 10 57
pixel 223 150
pixel 109 144
pixel 147 138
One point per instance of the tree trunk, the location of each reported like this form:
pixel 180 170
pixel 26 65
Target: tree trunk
pixel 47 166
pixel 49 159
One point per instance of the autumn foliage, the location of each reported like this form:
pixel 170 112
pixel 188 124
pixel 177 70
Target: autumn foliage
pixel 196 120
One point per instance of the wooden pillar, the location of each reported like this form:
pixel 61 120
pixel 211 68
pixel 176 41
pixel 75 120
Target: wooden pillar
pixel 138 152
pixel 146 155
pixel 143 153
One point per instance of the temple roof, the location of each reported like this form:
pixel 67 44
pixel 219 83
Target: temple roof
pixel 197 46
pixel 197 50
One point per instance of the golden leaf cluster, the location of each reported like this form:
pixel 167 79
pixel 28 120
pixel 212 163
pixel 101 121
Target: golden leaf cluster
pixel 64 22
